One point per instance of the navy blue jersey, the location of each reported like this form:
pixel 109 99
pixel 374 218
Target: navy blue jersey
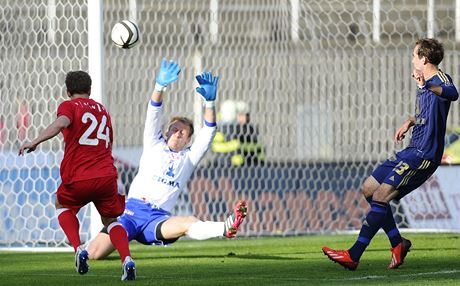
pixel 431 112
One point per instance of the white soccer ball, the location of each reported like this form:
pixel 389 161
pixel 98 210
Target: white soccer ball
pixel 125 34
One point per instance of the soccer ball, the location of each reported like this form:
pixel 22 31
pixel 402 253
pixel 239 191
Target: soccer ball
pixel 125 34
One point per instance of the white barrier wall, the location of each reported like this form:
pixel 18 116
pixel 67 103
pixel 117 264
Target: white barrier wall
pixel 436 204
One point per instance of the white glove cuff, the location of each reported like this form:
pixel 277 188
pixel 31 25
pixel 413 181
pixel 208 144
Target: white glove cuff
pixel 209 104
pixel 159 87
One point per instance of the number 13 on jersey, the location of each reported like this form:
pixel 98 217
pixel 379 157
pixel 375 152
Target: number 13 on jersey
pixel 401 168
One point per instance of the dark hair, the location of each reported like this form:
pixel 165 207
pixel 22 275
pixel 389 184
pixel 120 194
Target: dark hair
pixel 183 120
pixel 430 49
pixel 78 82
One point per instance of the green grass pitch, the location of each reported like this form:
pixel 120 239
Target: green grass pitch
pixel 433 260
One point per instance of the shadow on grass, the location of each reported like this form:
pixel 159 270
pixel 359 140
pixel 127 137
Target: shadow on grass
pixel 229 255
pixel 263 257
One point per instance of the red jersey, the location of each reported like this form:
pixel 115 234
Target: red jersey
pixel 88 141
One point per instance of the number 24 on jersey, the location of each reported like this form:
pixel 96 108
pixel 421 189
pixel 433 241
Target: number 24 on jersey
pixel 103 131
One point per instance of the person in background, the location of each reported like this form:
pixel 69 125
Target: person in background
pixel 236 143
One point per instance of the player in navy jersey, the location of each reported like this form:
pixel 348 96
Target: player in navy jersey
pixel 88 172
pixel 411 167
pixel 165 167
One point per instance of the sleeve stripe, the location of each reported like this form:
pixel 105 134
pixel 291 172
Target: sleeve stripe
pixel 443 77
pixel 210 124
pixel 156 104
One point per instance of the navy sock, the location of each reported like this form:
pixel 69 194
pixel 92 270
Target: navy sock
pixel 389 226
pixel 371 225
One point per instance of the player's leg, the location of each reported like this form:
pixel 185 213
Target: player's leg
pixel 235 219
pixel 161 228
pixel 118 236
pixel 194 228
pixel 370 185
pixel 100 247
pixel 408 172
pixel 69 223
pixel 178 226
pixel 67 205
pixel 119 239
pixel 414 179
pixel 110 205
pixel 374 219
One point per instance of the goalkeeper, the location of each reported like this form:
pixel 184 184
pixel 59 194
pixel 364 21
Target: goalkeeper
pixel 165 167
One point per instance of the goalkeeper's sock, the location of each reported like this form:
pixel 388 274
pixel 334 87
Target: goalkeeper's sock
pixel 201 230
pixel 70 225
pixel 389 226
pixel 119 239
pixel 370 226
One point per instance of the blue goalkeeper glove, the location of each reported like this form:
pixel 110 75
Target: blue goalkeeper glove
pixel 208 87
pixel 169 73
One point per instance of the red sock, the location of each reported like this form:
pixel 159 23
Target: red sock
pixel 70 225
pixel 119 239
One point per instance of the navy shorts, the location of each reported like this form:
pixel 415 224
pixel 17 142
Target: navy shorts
pixel 142 222
pixel 406 171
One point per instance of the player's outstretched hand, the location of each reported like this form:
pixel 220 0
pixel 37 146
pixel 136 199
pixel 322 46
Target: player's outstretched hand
pixel 29 147
pixel 208 86
pixel 168 73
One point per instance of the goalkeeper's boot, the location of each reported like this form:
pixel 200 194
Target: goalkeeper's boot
pixel 233 222
pixel 399 252
pixel 129 269
pixel 81 260
pixel 342 257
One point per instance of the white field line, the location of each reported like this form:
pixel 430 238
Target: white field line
pixel 393 276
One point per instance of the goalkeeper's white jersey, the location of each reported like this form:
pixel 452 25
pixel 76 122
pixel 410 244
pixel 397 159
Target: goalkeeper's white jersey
pixel 163 173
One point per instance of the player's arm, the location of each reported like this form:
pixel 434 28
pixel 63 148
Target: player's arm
pixel 208 91
pixel 168 73
pixel 445 90
pixel 401 132
pixel 52 130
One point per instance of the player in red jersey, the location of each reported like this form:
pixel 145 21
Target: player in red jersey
pixel 87 170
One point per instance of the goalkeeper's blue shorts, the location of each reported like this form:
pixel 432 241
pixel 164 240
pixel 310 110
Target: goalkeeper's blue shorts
pixel 406 171
pixel 142 222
